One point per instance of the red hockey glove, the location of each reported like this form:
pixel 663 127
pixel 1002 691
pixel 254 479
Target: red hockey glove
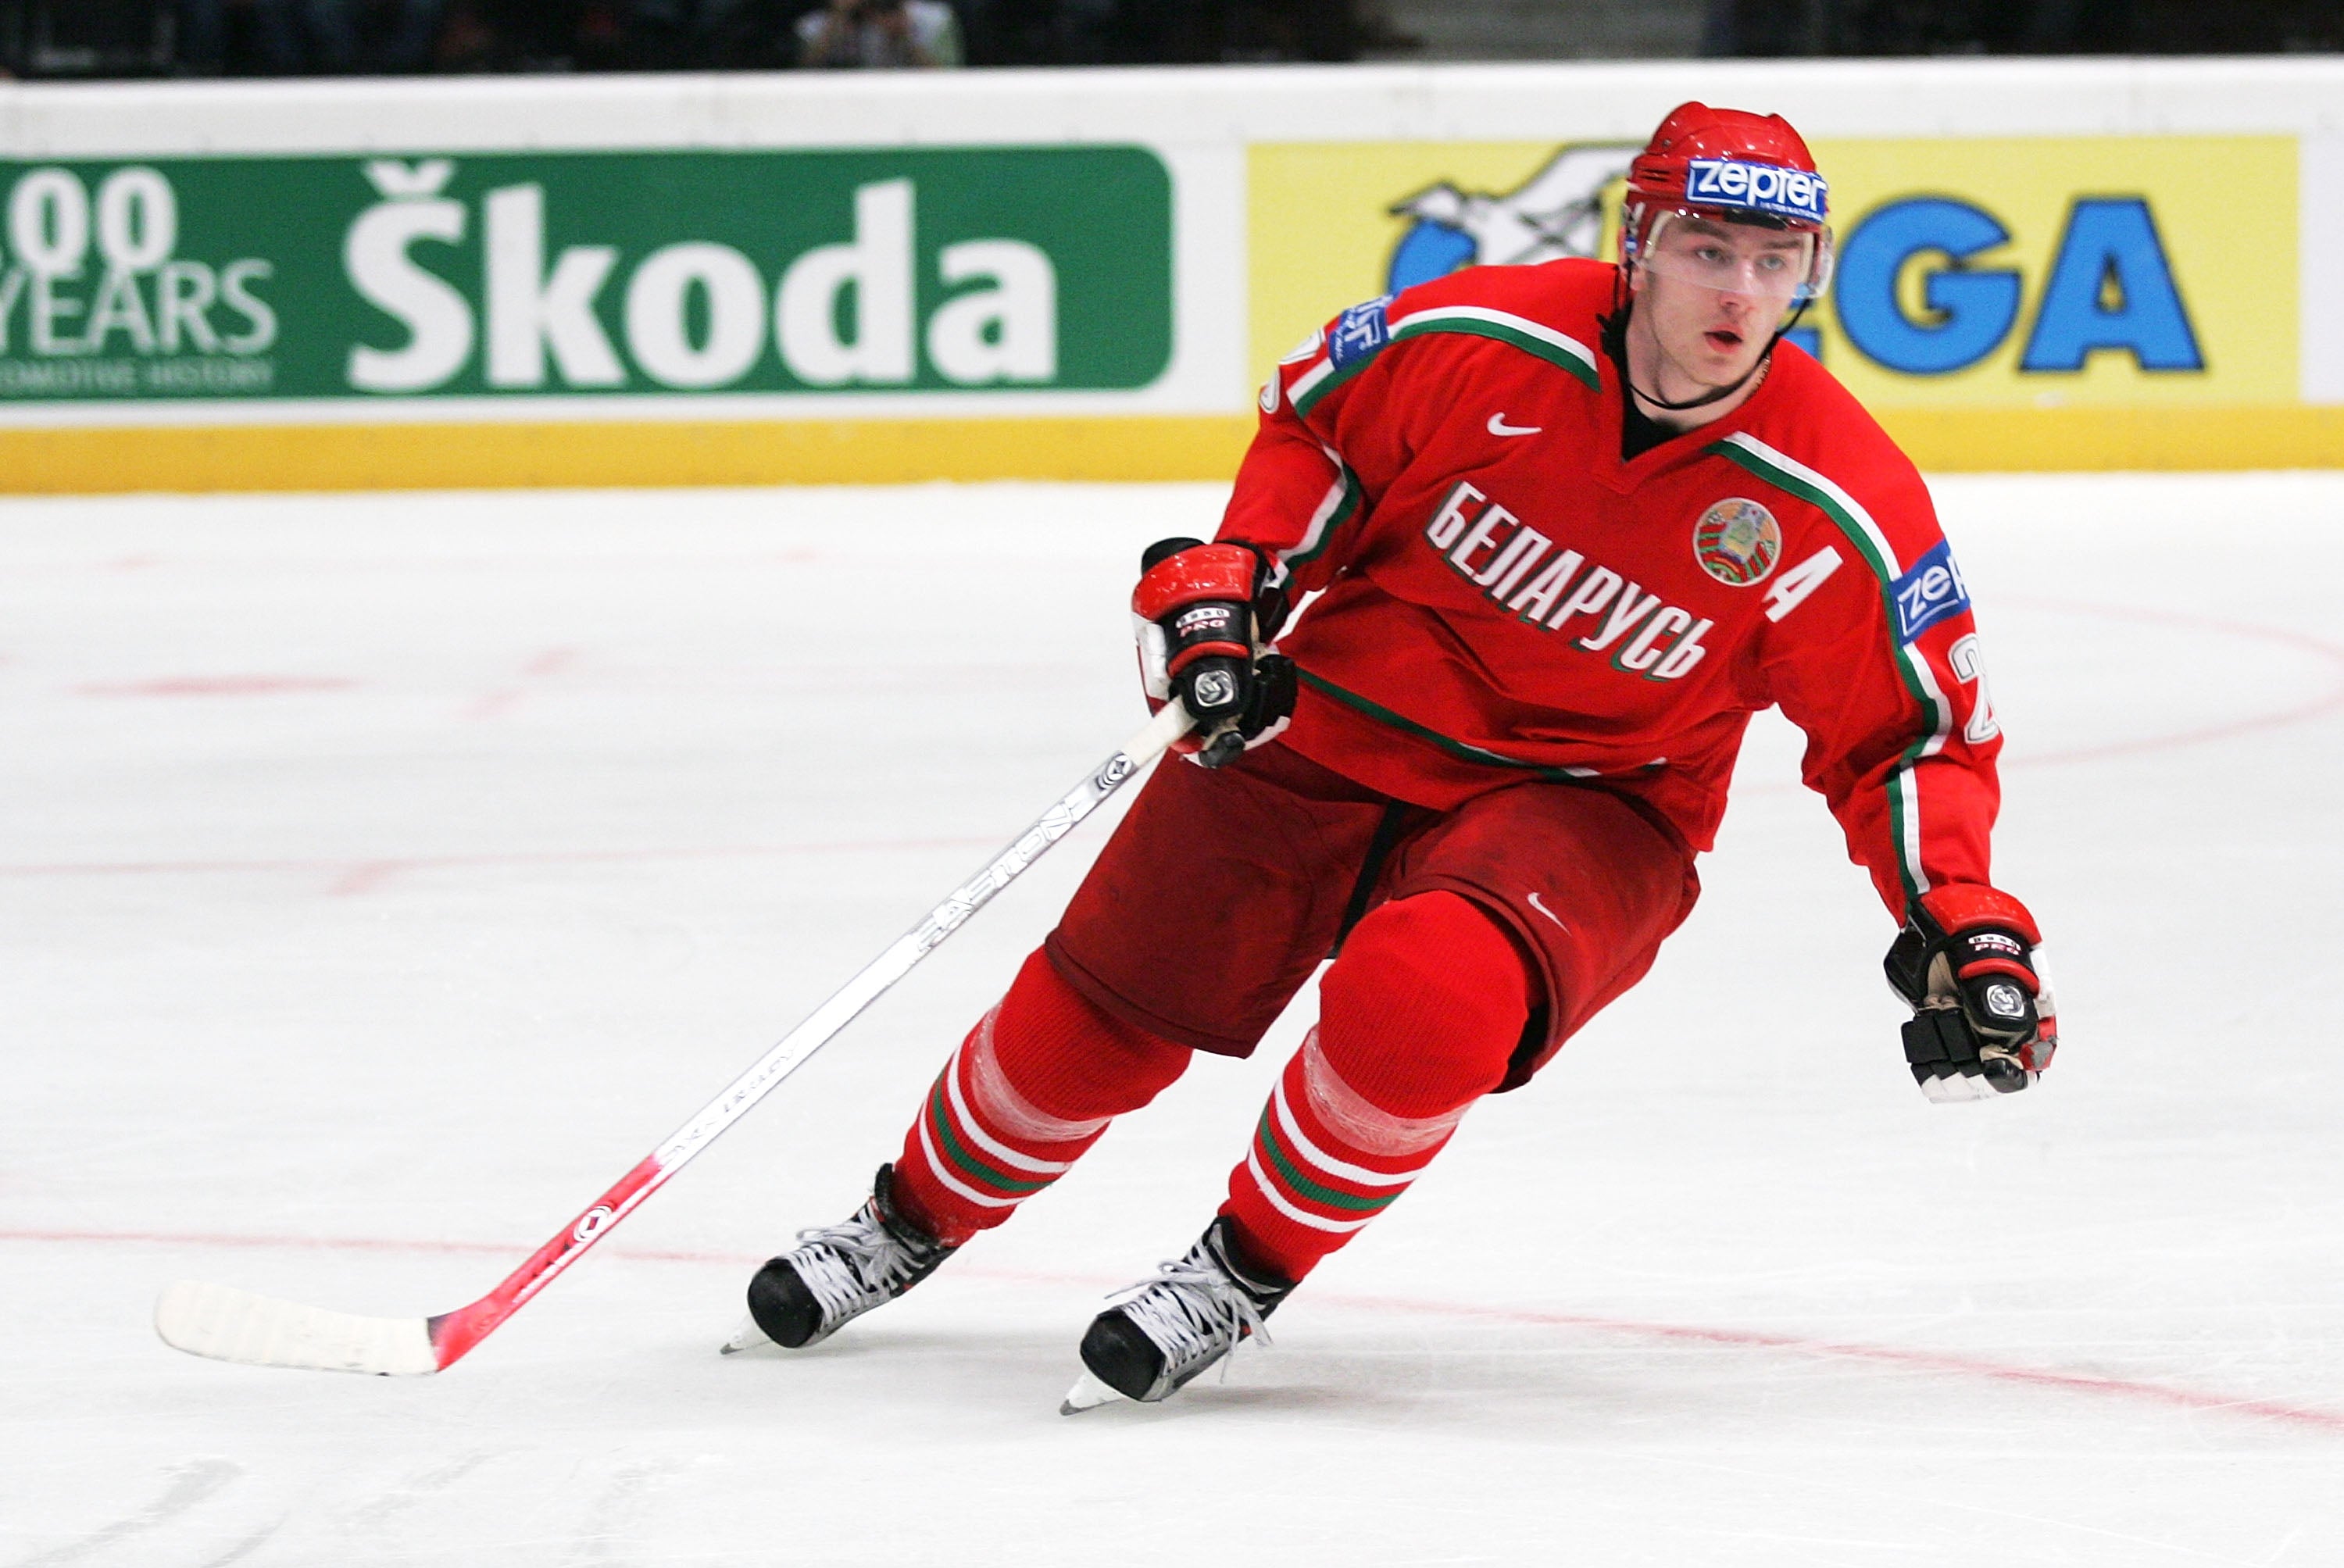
pixel 1203 614
pixel 1982 1020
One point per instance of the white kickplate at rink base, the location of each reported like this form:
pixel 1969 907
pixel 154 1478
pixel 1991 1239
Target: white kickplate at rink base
pixel 381 875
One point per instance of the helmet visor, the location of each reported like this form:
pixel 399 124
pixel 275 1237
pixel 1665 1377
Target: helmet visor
pixel 1783 266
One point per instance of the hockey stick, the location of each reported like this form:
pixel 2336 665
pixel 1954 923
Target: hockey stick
pixel 232 1325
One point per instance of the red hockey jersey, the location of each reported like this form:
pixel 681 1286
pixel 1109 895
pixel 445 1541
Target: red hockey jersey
pixel 1504 597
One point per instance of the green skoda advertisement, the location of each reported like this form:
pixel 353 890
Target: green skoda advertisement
pixel 934 269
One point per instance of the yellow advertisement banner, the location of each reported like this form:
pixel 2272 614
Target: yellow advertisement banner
pixel 1997 299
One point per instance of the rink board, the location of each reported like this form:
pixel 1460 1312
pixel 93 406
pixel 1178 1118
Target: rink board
pixel 485 455
pixel 1082 275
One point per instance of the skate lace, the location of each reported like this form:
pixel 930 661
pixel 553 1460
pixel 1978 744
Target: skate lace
pixel 849 1266
pixel 1191 1310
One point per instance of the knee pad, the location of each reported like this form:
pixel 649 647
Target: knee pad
pixel 1424 1009
pixel 1073 1059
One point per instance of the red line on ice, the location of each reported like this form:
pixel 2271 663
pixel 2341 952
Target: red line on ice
pixel 216 686
pixel 2301 641
pixel 552 662
pixel 1737 1339
pixel 1884 1355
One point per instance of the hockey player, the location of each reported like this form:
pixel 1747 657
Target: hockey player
pixel 1568 526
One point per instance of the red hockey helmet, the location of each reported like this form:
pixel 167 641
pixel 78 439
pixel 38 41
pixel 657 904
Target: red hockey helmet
pixel 1730 167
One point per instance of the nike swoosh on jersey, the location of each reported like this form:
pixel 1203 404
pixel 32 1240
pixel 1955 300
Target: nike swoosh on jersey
pixel 1497 427
pixel 1550 914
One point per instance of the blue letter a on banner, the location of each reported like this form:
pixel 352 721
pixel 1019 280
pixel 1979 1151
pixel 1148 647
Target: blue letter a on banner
pixel 2111 288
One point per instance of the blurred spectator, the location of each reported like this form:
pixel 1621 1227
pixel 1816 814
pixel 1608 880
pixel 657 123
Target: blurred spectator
pixel 638 35
pixel 243 37
pixel 879 34
pixel 1379 33
pixel 511 35
pixel 203 36
pixel 328 37
pixel 402 37
pixel 747 35
pixel 308 37
pixel 1787 27
pixel 1083 32
pixel 84 37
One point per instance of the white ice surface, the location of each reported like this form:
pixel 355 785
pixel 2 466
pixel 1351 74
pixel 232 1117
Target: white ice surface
pixel 381 877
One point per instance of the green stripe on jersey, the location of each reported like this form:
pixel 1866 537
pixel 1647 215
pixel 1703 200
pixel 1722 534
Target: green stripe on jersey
pixel 1341 505
pixel 1318 383
pixel 1530 337
pixel 1461 750
pixel 1787 474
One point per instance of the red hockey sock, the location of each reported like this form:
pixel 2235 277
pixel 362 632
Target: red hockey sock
pixel 1033 1087
pixel 1416 1020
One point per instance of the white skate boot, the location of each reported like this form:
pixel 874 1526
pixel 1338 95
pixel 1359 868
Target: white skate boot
pixel 838 1272
pixel 1167 1329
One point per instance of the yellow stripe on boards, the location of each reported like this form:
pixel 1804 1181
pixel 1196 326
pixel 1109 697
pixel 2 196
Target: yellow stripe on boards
pixel 495 455
pixel 2052 440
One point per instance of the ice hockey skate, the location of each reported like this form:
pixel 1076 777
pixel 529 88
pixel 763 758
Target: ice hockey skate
pixel 836 1273
pixel 1167 1329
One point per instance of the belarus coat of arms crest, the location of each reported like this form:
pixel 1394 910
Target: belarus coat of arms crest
pixel 1737 541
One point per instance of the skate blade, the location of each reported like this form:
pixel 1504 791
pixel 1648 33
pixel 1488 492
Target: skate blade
pixel 1088 1394
pixel 747 1337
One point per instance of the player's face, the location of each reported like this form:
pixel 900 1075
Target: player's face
pixel 1713 293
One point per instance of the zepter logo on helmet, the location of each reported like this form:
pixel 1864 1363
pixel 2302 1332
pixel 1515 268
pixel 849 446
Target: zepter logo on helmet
pixel 1729 200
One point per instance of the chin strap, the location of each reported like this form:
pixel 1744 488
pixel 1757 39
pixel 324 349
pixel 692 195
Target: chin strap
pixel 1715 394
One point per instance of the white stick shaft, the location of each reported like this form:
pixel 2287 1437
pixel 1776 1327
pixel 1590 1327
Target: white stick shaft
pixel 905 953
pixel 238 1326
